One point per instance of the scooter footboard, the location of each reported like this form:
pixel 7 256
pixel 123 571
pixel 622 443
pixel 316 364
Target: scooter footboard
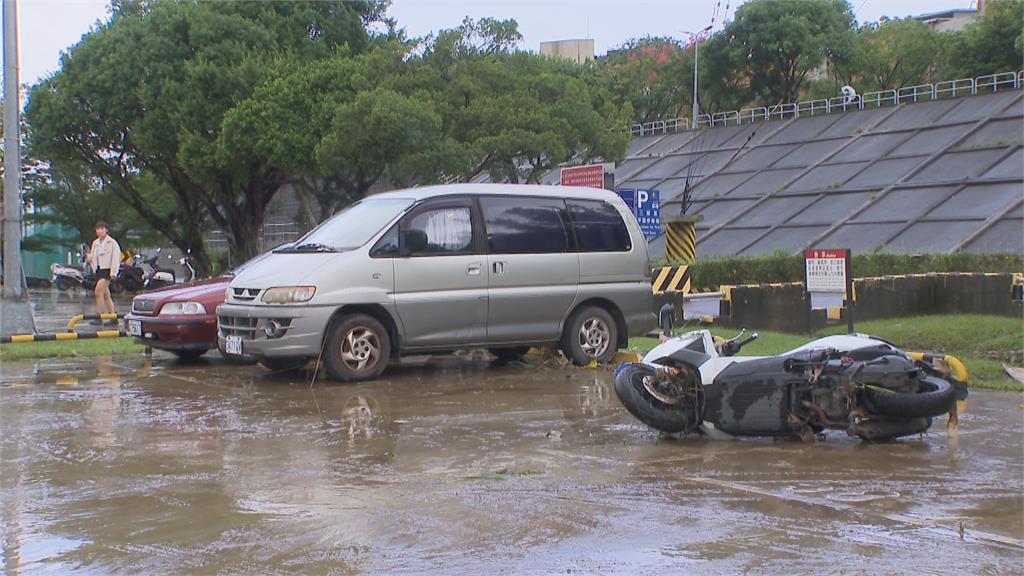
pixel 760 401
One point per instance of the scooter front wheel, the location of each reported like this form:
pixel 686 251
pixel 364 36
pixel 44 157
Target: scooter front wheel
pixel 634 393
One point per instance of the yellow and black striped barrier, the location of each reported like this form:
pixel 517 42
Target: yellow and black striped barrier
pixel 671 279
pixel 16 338
pixel 79 317
pixel 681 241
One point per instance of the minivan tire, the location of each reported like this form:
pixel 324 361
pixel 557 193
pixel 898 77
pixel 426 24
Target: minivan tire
pixel 590 334
pixel 357 348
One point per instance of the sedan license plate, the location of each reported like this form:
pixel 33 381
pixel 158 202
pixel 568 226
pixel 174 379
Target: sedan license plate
pixel 233 345
pixel 135 328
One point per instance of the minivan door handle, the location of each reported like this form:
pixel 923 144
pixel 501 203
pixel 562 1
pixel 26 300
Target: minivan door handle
pixel 473 270
pixel 498 267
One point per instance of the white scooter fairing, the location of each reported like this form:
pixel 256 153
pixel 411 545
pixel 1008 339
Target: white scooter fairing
pixel 701 341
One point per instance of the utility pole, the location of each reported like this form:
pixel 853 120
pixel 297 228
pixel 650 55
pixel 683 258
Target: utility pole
pixel 696 105
pixel 15 312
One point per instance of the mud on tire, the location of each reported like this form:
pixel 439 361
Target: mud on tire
pixel 629 387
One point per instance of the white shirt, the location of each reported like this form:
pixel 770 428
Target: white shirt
pixel 106 253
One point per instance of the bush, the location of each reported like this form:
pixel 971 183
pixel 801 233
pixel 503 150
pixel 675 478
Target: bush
pixel 782 267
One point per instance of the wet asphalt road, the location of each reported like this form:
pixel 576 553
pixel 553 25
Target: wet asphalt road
pixel 451 465
pixel 53 309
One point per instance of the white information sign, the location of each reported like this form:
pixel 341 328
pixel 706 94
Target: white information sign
pixel 825 270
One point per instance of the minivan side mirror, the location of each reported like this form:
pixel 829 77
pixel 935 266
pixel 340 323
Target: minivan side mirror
pixel 415 241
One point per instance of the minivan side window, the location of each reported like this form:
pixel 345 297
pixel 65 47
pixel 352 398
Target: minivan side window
pixel 448 230
pixel 599 227
pixel 524 225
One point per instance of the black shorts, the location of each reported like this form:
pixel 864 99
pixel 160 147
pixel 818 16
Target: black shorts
pixel 103 274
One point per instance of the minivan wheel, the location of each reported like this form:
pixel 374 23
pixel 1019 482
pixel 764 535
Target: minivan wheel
pixel 357 348
pixel 590 334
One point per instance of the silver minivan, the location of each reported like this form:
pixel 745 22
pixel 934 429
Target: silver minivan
pixel 439 268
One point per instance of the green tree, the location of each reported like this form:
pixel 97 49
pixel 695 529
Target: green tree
pixel 991 44
pixel 145 95
pixel 516 115
pixel 891 55
pixel 774 45
pixel 651 76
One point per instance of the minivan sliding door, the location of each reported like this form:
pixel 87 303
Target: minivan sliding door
pixel 533 271
pixel 441 276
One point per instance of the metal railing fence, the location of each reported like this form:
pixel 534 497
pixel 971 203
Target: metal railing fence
pixel 920 93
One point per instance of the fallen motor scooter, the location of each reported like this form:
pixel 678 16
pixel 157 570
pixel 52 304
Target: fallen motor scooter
pixel 856 383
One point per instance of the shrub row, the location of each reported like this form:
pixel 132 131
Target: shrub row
pixel 781 267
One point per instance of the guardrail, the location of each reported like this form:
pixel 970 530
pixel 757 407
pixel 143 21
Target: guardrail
pixel 920 93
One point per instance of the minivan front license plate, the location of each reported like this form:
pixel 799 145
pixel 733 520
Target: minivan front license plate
pixel 135 328
pixel 233 345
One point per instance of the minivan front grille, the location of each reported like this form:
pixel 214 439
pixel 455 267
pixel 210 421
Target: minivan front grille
pixel 245 294
pixel 237 326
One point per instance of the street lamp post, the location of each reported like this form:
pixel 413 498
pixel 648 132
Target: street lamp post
pixel 696 44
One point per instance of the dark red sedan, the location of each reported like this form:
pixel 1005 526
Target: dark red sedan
pixel 180 319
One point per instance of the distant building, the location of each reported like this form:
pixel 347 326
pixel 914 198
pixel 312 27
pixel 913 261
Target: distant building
pixel 579 51
pixel 951 20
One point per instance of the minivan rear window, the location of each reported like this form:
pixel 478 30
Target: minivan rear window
pixel 524 225
pixel 599 227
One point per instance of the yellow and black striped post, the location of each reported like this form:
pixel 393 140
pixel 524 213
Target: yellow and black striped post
pixel 681 239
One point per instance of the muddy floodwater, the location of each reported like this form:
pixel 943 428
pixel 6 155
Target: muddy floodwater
pixel 452 465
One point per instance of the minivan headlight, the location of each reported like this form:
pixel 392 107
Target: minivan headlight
pixel 289 295
pixel 182 309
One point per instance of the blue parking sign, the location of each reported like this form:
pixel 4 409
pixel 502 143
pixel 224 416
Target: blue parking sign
pixel 646 206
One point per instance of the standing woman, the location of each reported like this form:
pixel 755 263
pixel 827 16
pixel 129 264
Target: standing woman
pixel 105 257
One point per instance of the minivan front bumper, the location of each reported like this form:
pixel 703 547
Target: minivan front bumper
pixel 274 331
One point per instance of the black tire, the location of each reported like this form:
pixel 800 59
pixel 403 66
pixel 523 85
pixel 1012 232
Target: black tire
pixel 358 347
pixel 64 283
pixel 505 355
pixel 937 397
pixel 629 387
pixel 590 334
pixel 188 355
pixel 116 287
pixel 283 364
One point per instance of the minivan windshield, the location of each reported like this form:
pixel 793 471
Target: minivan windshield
pixel 352 227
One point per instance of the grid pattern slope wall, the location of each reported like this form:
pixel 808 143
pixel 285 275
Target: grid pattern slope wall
pixel 938 176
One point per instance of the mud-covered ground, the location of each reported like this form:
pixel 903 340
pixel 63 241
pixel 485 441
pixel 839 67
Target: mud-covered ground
pixel 451 465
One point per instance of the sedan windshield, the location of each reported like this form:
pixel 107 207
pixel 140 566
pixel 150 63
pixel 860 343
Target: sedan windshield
pixel 352 227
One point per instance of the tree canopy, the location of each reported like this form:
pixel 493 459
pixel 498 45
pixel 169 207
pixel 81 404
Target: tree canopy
pixel 184 116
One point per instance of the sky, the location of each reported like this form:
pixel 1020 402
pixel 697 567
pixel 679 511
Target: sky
pixel 49 27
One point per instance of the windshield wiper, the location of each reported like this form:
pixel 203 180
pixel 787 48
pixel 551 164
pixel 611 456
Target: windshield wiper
pixel 310 247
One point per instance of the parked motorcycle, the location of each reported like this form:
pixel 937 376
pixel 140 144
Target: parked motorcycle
pixel 856 383
pixel 66 276
pixel 159 277
pixel 131 275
